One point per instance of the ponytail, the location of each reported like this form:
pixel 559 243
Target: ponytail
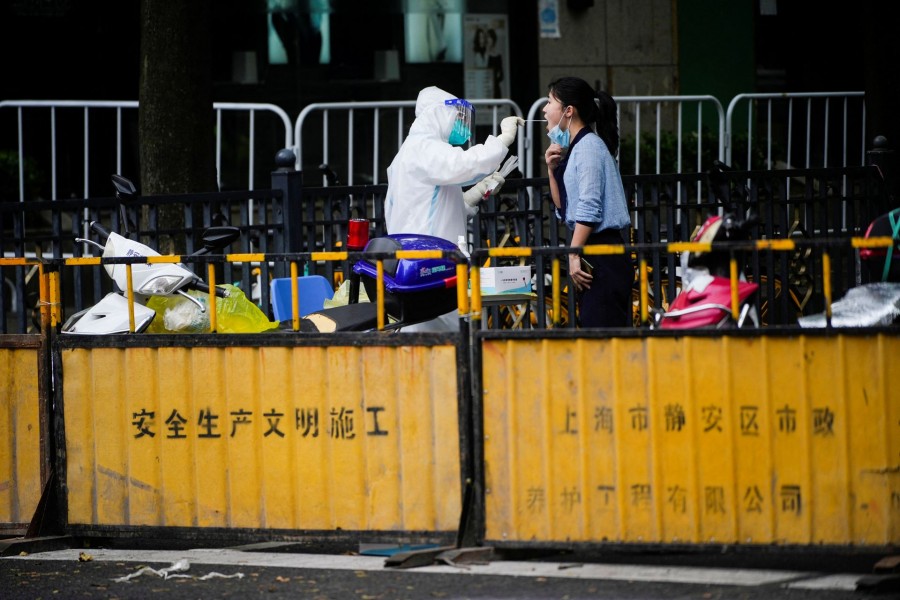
pixel 606 120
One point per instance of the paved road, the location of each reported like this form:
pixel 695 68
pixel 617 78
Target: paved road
pixel 239 573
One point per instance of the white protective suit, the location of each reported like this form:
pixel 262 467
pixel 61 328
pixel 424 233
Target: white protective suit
pixel 426 178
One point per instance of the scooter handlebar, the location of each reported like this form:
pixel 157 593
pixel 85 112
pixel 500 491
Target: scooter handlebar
pixel 203 287
pixel 100 230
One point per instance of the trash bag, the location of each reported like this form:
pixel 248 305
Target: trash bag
pixel 234 314
pixel 342 295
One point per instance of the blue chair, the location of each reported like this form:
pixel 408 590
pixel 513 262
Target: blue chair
pixel 312 290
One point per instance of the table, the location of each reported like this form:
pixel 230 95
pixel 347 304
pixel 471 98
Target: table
pixel 508 299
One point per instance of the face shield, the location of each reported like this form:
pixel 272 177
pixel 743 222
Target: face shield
pixel 462 126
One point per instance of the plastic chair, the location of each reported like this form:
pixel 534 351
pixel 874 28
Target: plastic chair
pixel 312 290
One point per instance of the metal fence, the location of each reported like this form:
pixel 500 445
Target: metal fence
pixel 49 230
pixel 68 148
pixel 696 125
pixel 666 208
pixel 660 134
pixel 373 131
pixel 784 131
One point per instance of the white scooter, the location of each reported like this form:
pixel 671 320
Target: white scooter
pixel 111 314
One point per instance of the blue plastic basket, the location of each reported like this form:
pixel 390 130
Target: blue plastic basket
pixel 313 291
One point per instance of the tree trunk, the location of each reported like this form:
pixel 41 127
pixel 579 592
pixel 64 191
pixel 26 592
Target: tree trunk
pixel 176 120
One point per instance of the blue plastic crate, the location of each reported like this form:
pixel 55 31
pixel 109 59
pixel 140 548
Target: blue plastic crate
pixel 313 291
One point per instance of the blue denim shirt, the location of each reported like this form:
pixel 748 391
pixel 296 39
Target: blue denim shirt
pixel 593 186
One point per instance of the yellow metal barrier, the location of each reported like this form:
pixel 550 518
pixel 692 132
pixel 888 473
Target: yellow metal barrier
pixel 22 462
pixel 24 430
pixel 647 439
pixel 692 440
pixel 328 436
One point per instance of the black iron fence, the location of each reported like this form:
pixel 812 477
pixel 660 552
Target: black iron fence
pixel 50 229
pixel 290 218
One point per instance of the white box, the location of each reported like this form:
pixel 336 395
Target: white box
pixel 505 280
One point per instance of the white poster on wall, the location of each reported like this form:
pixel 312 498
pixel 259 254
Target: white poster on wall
pixel 486 56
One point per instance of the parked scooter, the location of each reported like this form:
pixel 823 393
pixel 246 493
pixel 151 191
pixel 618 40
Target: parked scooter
pixel 111 314
pixel 876 303
pixel 415 290
pixel 705 300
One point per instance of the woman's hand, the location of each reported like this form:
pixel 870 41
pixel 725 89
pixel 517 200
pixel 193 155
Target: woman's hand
pixel 581 278
pixel 552 156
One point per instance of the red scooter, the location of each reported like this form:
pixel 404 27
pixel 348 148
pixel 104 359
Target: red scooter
pixel 705 300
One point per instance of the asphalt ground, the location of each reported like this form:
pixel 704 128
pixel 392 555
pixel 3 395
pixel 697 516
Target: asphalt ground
pixel 281 571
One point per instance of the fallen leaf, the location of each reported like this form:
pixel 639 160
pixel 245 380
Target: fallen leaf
pixel 23 553
pixel 281 579
pixel 84 557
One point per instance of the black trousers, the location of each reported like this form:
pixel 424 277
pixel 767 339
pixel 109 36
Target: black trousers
pixel 607 303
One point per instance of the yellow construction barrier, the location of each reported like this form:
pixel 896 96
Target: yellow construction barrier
pixel 23 433
pixel 759 439
pixel 327 436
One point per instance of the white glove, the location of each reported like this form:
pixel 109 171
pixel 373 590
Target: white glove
pixel 495 182
pixel 484 188
pixel 474 195
pixel 508 129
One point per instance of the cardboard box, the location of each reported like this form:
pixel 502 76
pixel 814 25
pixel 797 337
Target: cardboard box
pixel 505 280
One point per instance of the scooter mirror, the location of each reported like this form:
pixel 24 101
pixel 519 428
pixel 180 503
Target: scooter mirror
pixel 216 238
pixel 124 187
pixel 125 191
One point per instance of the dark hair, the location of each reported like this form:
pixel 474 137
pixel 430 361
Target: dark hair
pixel 478 40
pixel 596 108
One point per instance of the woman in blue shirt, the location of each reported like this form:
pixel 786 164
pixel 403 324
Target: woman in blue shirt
pixel 587 190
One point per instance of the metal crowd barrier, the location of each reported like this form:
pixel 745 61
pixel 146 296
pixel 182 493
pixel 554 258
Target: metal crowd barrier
pixel 779 128
pixel 667 114
pixel 106 130
pixel 378 116
pixel 804 129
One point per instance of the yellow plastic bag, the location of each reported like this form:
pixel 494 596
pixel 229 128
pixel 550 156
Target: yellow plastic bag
pixel 342 295
pixel 234 314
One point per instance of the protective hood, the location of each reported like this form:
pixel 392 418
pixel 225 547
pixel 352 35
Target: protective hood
pixel 433 117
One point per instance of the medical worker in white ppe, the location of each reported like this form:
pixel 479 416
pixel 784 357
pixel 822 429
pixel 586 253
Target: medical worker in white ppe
pixel 426 178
